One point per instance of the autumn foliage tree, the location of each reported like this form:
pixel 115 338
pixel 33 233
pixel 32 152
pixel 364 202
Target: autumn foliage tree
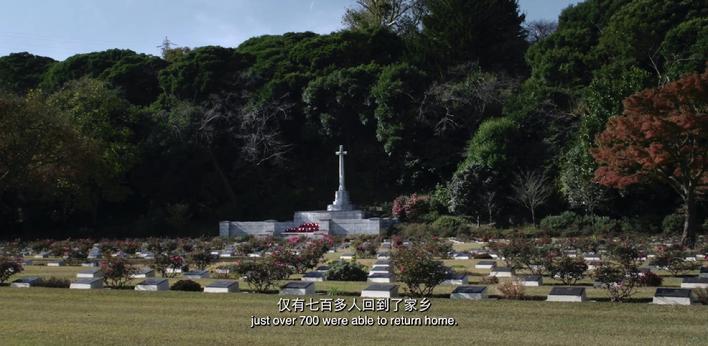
pixel 662 135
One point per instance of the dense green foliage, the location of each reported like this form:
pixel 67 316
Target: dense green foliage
pixel 452 101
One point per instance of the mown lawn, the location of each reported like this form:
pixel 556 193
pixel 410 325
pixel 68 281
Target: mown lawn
pixel 62 316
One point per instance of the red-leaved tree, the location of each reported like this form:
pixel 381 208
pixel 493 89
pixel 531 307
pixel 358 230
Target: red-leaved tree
pixel 661 135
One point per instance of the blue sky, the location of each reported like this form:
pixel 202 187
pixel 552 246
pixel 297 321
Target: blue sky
pixel 61 28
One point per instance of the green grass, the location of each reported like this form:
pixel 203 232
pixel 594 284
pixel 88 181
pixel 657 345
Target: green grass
pixel 62 316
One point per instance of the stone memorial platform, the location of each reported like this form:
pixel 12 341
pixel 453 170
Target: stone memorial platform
pixel 339 218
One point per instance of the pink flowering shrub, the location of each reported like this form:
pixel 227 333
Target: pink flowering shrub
pixel 116 272
pixel 410 208
pixel 418 270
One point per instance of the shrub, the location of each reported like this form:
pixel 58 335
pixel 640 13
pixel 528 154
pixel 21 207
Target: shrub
pixel 559 223
pixel 163 262
pixel 54 282
pixel 186 285
pixel 346 271
pixel 117 272
pixel 650 279
pixel 262 275
pixel 366 246
pixel 672 223
pixel 511 289
pixel 448 225
pixel 437 247
pixel 568 270
pixel 701 295
pixel 418 270
pixel 8 268
pixel 201 259
pixel 672 258
pixel 489 280
pixel 570 224
pixel 619 283
pixel 410 208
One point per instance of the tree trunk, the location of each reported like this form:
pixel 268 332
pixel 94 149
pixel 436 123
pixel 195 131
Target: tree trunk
pixel 533 217
pixel 689 225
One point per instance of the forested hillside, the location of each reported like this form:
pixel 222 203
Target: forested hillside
pixel 463 102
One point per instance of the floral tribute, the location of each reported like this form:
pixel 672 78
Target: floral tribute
pixel 304 228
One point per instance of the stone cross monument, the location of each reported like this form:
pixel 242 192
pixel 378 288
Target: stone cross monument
pixel 341 196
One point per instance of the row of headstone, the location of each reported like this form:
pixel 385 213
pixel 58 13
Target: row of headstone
pixel 381 271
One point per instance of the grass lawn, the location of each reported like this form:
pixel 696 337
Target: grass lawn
pixel 62 316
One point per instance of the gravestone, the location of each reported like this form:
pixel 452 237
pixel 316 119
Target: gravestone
pixel 222 286
pixel 298 288
pixel 322 269
pixel 25 282
pixel 143 273
pixel 314 276
pixel 485 265
pixel 171 270
pixel 43 254
pixel 196 275
pixel 223 271
pixel 153 284
pixel 461 256
pixel 456 279
pixel 531 280
pixel 86 283
pixel 94 253
pixel 57 263
pixel 673 296
pixel 469 292
pixel 502 272
pixel 694 282
pixel 147 255
pixel 90 273
pixel 567 294
pixel 385 278
pixel 380 291
pixel 383 255
pixel 382 263
pixel 379 270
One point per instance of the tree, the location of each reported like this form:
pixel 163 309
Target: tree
pixel 487 31
pixel 538 30
pixel 394 15
pixel 660 136
pixel 473 191
pixel 20 72
pixel 531 189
